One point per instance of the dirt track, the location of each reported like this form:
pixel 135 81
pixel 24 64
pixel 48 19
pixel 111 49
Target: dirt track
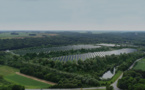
pixel 37 79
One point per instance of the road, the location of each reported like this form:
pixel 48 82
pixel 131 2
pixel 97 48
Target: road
pixel 115 83
pixel 134 63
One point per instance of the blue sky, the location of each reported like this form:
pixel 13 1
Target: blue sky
pixel 72 14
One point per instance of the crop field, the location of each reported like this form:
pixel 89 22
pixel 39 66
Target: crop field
pixel 94 54
pixel 21 35
pixel 62 48
pixel 28 83
pixel 6 70
pixel 10 75
pixel 140 65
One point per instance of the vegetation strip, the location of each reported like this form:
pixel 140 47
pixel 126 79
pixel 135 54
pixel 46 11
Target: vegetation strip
pixel 34 78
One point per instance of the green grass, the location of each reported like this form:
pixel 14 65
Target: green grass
pixel 28 83
pixel 9 75
pixel 140 65
pixel 6 70
pixel 116 76
pixel 7 35
pixel 113 79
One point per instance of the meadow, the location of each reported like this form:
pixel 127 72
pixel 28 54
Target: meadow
pixel 10 75
pixel 28 83
pixel 140 65
pixel 21 35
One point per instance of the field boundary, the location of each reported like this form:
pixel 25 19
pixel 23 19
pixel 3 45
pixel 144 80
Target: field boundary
pixel 37 79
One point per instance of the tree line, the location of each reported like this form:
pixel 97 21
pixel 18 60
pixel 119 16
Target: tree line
pixel 85 73
pixel 132 80
pixel 69 38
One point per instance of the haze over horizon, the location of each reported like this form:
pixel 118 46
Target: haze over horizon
pixel 72 15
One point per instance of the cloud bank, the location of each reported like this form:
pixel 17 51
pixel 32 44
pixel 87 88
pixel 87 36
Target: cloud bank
pixel 72 15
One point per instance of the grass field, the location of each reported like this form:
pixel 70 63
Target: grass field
pixel 28 83
pixel 5 70
pixel 115 76
pixel 140 65
pixel 9 75
pixel 7 35
pixel 21 35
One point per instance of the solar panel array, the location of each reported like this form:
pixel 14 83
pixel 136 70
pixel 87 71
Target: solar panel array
pixel 94 54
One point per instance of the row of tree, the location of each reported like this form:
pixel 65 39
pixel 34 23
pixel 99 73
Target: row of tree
pixel 86 72
pixel 69 38
pixel 132 80
pixel 94 66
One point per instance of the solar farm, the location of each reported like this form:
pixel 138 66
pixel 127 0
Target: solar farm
pixel 83 56
pixel 94 54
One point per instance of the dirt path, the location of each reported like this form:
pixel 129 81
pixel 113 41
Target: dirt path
pixel 34 78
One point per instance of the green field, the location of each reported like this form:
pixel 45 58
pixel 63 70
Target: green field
pixel 28 83
pixel 6 35
pixel 9 75
pixel 21 35
pixel 5 70
pixel 140 65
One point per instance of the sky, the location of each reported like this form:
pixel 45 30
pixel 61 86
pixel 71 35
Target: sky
pixel 72 14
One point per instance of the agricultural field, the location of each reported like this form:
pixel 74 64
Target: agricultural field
pixel 10 75
pixel 140 65
pixel 22 35
pixel 6 70
pixel 28 83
